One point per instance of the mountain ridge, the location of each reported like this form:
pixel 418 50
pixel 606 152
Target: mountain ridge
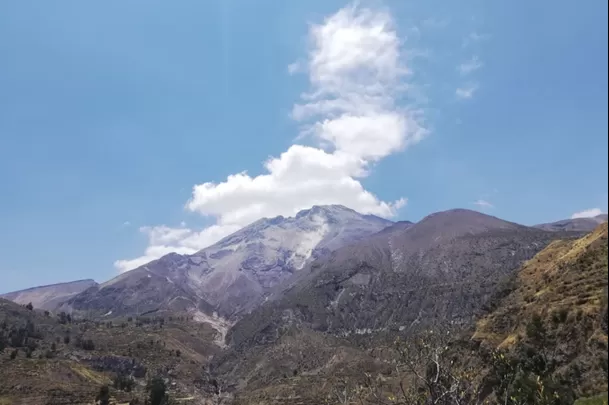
pixel 574 224
pixel 233 275
pixel 50 295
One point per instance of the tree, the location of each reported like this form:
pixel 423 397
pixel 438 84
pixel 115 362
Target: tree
pixel 425 371
pixel 525 375
pixel 14 354
pixel 30 306
pixel 123 382
pixel 157 391
pixel 103 397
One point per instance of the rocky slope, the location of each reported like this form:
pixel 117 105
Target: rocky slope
pixel 576 224
pixel 49 296
pixel 440 270
pixel 234 275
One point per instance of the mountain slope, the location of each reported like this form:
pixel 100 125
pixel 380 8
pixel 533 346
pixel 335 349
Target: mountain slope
pixel 564 289
pixel 440 270
pixel 576 224
pixel 235 274
pixel 49 296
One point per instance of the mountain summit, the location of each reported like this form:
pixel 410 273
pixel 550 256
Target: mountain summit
pixel 236 273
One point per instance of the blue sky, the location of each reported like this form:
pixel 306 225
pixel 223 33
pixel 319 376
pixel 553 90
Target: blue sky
pixel 111 112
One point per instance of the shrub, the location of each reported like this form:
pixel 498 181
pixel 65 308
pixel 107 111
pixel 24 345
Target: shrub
pixel 157 391
pixel 123 382
pixel 103 397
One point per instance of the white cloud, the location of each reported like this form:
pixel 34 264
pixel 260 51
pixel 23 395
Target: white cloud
pixel 469 66
pixel 483 204
pixel 293 68
pixel 592 212
pixel 473 38
pixel 466 92
pixel 356 68
pixel 126 223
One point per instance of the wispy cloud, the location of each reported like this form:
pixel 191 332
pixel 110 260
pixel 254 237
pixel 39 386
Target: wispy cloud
pixel 474 38
pixel 483 204
pixel 357 68
pixel 466 92
pixel 469 66
pixel 589 213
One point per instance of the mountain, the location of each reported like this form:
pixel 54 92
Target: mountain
pixel 443 269
pixel 49 296
pixel 234 275
pixel 576 224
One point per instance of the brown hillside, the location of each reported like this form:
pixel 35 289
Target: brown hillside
pixel 564 286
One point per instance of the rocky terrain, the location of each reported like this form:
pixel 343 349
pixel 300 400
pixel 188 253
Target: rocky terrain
pixel 234 275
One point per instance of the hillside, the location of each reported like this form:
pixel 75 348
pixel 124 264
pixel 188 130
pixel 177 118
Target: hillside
pixel 554 307
pixel 562 292
pixel 54 359
pixel 574 224
pixel 49 296
pixel 440 270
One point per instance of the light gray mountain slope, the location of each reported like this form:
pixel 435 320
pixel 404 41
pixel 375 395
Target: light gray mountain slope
pixel 235 274
pixel 49 296
pixel 576 224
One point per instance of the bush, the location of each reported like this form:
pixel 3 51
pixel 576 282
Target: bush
pixel 103 397
pixel 157 391
pixel 85 344
pixel 14 354
pixel 123 382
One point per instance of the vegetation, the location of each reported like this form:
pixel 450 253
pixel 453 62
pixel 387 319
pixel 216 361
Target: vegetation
pixel 596 400
pixel 157 392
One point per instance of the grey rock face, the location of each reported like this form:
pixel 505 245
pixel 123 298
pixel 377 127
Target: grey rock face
pixel 234 275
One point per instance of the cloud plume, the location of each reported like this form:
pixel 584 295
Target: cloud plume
pixel 356 67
